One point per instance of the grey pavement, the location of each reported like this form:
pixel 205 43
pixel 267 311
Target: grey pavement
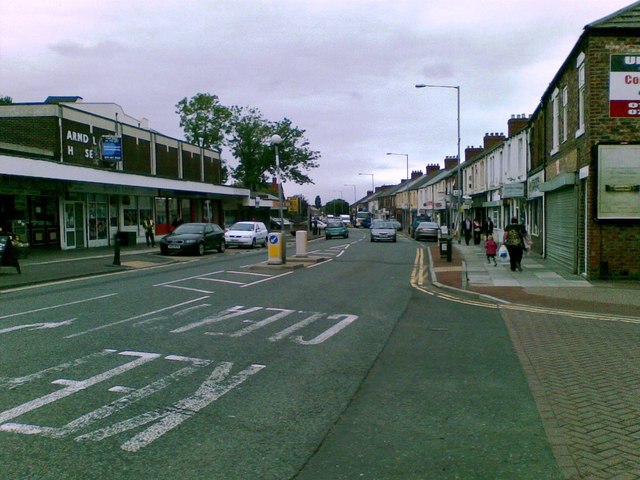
pixel 541 282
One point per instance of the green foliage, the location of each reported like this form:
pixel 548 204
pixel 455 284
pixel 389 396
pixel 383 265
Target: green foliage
pixel 204 120
pixel 318 202
pixel 6 100
pixel 337 207
pixel 246 132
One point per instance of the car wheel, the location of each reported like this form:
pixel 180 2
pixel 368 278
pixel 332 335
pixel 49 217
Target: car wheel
pixel 346 236
pixel 200 249
pixel 254 243
pixel 221 247
pixel 394 239
pixel 327 237
pixel 164 251
pixel 372 240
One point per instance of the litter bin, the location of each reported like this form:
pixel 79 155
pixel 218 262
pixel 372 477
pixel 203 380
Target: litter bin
pixel 445 248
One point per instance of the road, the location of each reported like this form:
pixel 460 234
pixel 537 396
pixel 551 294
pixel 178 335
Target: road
pixel 213 368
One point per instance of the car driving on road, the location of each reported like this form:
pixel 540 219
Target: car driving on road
pixel 335 228
pixel 246 234
pixel 383 230
pixel 193 238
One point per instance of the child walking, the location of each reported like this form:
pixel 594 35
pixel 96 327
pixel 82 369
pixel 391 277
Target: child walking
pixel 491 247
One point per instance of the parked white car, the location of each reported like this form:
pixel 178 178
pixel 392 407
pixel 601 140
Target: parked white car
pixel 246 234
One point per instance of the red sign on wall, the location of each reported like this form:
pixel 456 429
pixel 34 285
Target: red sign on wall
pixel 624 86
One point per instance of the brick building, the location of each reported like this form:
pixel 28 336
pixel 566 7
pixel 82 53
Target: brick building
pixel 585 152
pixel 73 174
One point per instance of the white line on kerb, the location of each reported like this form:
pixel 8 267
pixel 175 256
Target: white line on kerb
pixel 58 306
pixel 107 325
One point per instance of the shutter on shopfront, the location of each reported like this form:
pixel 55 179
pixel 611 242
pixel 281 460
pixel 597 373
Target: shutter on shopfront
pixel 561 216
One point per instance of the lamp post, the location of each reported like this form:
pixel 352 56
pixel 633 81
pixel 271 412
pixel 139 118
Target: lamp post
pixel 371 175
pixel 275 141
pixel 355 198
pixel 458 176
pixel 404 210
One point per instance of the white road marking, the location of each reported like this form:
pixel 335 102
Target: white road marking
pixel 262 323
pixel 266 279
pixel 132 395
pixel 330 332
pixel 130 319
pixel 184 279
pixel 223 315
pixel 293 328
pixel 58 306
pixel 75 386
pixel 38 326
pixel 189 289
pixel 221 281
pixel 58 368
pixel 169 418
pixel 249 273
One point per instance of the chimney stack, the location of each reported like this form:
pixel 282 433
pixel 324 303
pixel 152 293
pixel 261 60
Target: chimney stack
pixel 472 152
pixel 450 162
pixel 493 139
pixel 432 167
pixel 415 174
pixel 516 123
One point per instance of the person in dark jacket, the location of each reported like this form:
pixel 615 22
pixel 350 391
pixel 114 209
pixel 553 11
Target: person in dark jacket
pixel 514 239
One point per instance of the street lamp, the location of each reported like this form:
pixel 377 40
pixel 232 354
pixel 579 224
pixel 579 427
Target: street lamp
pixel 404 210
pixel 371 175
pixel 275 141
pixel 458 177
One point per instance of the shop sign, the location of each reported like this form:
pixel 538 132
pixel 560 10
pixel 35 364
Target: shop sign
pixel 533 185
pixel 111 148
pixel 624 85
pixel 513 190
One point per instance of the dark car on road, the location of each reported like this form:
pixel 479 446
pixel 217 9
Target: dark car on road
pixel 335 228
pixel 193 238
pixel 427 231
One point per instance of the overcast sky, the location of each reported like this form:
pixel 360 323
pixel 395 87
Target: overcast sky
pixel 343 70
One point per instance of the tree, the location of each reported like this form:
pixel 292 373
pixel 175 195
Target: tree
pixel 204 120
pixel 205 123
pixel 249 141
pixel 318 202
pixel 6 100
pixel 337 207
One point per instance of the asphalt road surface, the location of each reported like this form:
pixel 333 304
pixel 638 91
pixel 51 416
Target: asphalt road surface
pixel 213 368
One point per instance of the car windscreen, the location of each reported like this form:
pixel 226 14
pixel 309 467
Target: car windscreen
pixel 186 228
pixel 245 227
pixel 335 224
pixel 383 225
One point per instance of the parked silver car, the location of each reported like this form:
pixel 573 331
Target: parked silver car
pixel 427 230
pixel 382 230
pixel 246 234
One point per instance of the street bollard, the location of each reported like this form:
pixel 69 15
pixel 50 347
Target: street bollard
pixel 116 253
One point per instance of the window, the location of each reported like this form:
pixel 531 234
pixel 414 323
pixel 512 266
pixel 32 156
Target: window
pixel 565 114
pixel 581 94
pixel 555 127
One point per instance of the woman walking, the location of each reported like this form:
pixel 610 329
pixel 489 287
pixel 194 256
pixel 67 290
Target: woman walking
pixel 514 238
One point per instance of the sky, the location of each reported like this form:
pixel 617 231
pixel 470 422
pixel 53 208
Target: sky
pixel 342 70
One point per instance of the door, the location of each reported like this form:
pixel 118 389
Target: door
pixel 74 224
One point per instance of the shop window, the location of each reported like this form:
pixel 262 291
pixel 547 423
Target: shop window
pixel 130 211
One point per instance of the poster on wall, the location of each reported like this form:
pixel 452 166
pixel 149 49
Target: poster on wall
pixel 618 182
pixel 624 86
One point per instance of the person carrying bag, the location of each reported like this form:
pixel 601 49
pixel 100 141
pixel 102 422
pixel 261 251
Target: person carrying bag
pixel 514 239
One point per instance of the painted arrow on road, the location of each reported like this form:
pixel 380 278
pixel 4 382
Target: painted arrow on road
pixel 38 326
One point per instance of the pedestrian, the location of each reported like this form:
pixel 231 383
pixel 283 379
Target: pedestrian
pixel 491 247
pixel 488 228
pixel 149 231
pixel 467 228
pixel 477 230
pixel 514 238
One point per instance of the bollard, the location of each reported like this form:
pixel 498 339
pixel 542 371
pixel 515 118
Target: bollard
pixel 116 253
